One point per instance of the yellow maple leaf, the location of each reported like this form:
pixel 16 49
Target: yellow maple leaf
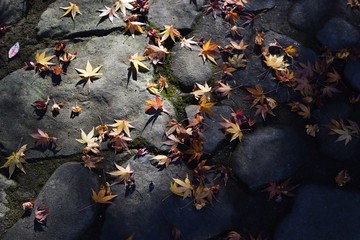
pixel 276 62
pixel 161 160
pixel 101 197
pixel 170 31
pixel 136 62
pixel 43 60
pixel 181 188
pixel 122 5
pixel 208 50
pixel 90 141
pixel 205 106
pixel 233 129
pixel 89 73
pixel 122 125
pixel 122 174
pixel 15 160
pixel 203 90
pixel 73 9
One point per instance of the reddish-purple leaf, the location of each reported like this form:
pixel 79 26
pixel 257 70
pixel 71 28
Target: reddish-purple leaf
pixel 14 50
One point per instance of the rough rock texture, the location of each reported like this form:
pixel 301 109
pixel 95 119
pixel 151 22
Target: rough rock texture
pixel 11 11
pixel 214 133
pixel 338 34
pixel 258 5
pixel 111 97
pixel 322 213
pixel 66 192
pixel 153 214
pixel 88 23
pixel 189 68
pixel 269 154
pixel 306 14
pixel 4 184
pixel 352 74
pixel 181 14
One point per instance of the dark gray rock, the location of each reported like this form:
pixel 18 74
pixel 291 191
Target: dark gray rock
pixel 338 34
pixel 153 214
pixel 322 213
pixel 214 134
pixel 307 14
pixel 88 23
pixel 328 146
pixel 4 184
pixel 269 154
pixel 66 192
pixel 181 14
pixel 189 68
pixel 352 74
pixel 11 11
pixel 258 5
pixel 111 97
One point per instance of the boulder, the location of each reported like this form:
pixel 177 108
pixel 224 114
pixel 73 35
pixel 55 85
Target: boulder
pixel 352 74
pixel 12 11
pixel 113 96
pixel 151 212
pixel 66 192
pixel 307 14
pixel 259 5
pixel 4 184
pixel 52 25
pixel 269 154
pixel 321 212
pixel 338 34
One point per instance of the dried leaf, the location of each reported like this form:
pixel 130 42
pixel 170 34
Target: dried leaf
pixel 15 160
pixel 342 178
pixel 102 197
pixel 41 213
pixel 122 174
pixel 73 9
pixel 14 50
pixel 170 31
pixel 208 50
pixel 181 188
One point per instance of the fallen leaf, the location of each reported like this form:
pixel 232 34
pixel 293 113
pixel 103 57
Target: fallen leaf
pixel 73 9
pixel 202 90
pixel 41 213
pixel 122 174
pixel 43 60
pixel 91 161
pixel 208 50
pixel 122 5
pixel 233 129
pixel 181 188
pixel 136 62
pixel 161 160
pixel 187 43
pixel 110 12
pixel 15 160
pixel 14 50
pixel 170 31
pixel 133 26
pixel 101 197
pixel 122 126
pixel 28 205
pixel 276 62
pixel 89 73
pixel 43 140
pixel 90 141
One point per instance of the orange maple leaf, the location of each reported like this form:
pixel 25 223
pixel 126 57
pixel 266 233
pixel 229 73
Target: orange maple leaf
pixel 208 50
pixel 101 197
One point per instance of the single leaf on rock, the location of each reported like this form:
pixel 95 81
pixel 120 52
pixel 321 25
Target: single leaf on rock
pixel 89 73
pixel 91 161
pixel 223 90
pixel 90 141
pixel 73 9
pixel 187 43
pixel 181 188
pixel 136 62
pixel 122 5
pixel 233 129
pixel 43 139
pixel 41 213
pixel 43 60
pixel 205 106
pixel 161 160
pixel 133 26
pixel 122 126
pixel 208 50
pixel 202 90
pixel 101 197
pixel 276 62
pixel 15 160
pixel 157 105
pixel 28 205
pixel 122 174
pixel 170 31
pixel 110 12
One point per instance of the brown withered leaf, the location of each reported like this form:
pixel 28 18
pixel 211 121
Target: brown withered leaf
pixel 91 161
pixel 342 178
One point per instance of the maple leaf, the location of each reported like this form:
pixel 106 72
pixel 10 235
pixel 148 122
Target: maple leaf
pixel 276 62
pixel 187 43
pixel 157 105
pixel 133 26
pixel 333 77
pixel 102 197
pixel 304 86
pixel 90 141
pixel 291 51
pixel 156 53
pixel 259 38
pixel 136 62
pixel 122 5
pixel 238 46
pixel 237 61
pixel 205 106
pixel 41 213
pixel 329 90
pixel 122 174
pixel 201 170
pixel 181 188
pixel 196 150
pixel 232 235
pixel 89 73
pixel 102 131
pixel 344 132
pixel 43 139
pixel 342 178
pixel 43 60
pixel 67 56
pixel 170 31
pixel 110 12
pixel 122 125
pixel 15 160
pixel 208 50
pixel 304 111
pixel 280 189
pixel 264 109
pixel 73 9
pixel 204 195
pixel 231 17
pixel 91 161
pixel 203 90
pixel 161 160
pixel 312 129
pixel 227 70
pixel 119 140
pixel 174 126
pixel 257 94
pixel 232 128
